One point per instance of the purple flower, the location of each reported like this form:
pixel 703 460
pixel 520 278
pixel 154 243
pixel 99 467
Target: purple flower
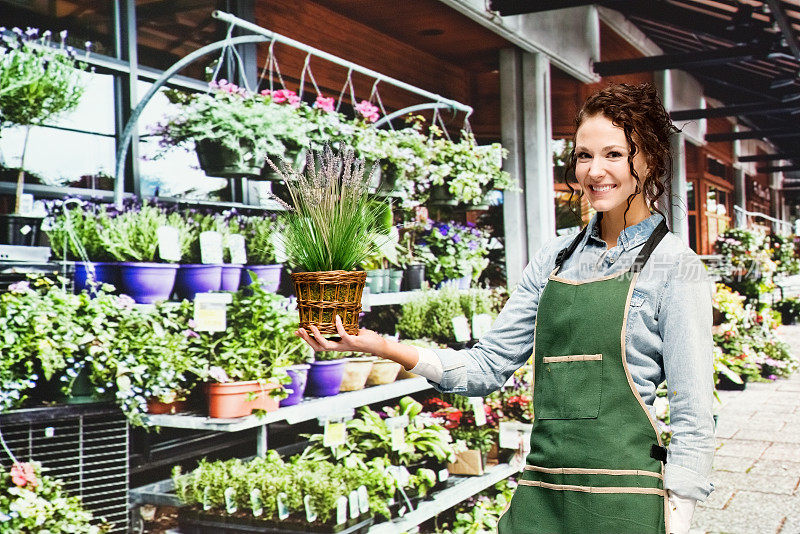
pixel 190 333
pixel 470 225
pixel 772 377
pixel 444 230
pixel 472 245
pixel 456 238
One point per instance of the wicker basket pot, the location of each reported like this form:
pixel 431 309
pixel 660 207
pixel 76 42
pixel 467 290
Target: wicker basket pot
pixel 323 295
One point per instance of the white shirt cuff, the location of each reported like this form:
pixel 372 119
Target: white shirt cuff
pixel 681 512
pixel 429 365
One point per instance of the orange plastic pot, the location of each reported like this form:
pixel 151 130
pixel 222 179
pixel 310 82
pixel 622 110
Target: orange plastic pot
pixel 239 399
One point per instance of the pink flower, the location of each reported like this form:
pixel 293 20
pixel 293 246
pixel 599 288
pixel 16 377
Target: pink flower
pixel 265 92
pixel 23 475
pixel 20 287
pixel 368 111
pixel 191 333
pixel 285 95
pixel 325 104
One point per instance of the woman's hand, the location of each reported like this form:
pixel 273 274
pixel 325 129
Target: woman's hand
pixel 366 340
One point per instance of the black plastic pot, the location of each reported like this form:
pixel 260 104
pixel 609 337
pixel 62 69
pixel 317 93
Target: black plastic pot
pixel 217 159
pixel 20 230
pixel 726 384
pixel 194 522
pixel 413 277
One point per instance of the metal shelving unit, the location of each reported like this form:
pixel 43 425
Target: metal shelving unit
pixel 463 488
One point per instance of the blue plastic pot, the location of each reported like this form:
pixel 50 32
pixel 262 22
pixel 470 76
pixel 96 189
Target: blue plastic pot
pixel 104 273
pixel 147 283
pixel 194 278
pixel 299 376
pixel 325 378
pixel 231 275
pixel 269 276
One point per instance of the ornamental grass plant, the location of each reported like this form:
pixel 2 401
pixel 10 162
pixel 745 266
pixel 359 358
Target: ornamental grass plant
pixel 331 219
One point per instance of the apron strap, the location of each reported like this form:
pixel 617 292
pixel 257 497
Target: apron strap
pixel 566 252
pixel 650 245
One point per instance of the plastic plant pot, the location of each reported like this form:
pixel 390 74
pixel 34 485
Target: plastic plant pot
pixel 195 278
pixel 356 371
pixel 297 387
pixel 238 399
pixel 147 283
pixel 104 273
pixel 231 277
pixel 325 378
pixel 374 281
pixel 269 276
pixel 414 277
pixel 395 281
pixel 383 372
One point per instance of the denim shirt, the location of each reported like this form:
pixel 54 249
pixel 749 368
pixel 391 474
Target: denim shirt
pixel 668 337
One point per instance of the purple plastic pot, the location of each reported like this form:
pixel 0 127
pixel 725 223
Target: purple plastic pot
pixel 104 272
pixel 194 278
pixel 299 376
pixel 325 378
pixel 231 274
pixel 147 282
pixel 269 276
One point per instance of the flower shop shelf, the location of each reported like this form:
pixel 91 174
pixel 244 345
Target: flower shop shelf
pixel 461 489
pixel 305 411
pixel 387 299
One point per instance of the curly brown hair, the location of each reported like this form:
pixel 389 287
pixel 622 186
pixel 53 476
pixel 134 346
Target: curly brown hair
pixel 638 110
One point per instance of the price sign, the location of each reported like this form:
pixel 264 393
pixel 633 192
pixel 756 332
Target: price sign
pixel 334 434
pixel 210 311
pixel 237 249
pixel 461 328
pixel 513 435
pixel 397 427
pixel 311 513
pixel 341 510
pixel 283 509
pixel 230 500
pixel 169 248
pixel 280 248
pixel 211 247
pixel 363 499
pixel 354 508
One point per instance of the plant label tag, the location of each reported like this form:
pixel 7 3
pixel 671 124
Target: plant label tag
pixel 398 438
pixel 444 474
pixel 169 248
pixel 210 311
pixel 206 499
pixel 283 509
pixel 230 500
pixel 513 434
pixel 311 514
pixel 481 323
pixel 334 434
pixel 280 248
pixel 363 499
pixel 405 476
pixel 237 248
pixel 401 511
pixel 256 503
pixel 461 329
pixel 341 510
pixel 477 408
pixel 354 508
pixel 211 247
pixel 26 206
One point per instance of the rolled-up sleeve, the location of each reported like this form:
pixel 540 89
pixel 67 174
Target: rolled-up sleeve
pixel 685 319
pixel 508 344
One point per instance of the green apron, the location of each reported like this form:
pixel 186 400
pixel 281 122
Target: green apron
pixel 596 459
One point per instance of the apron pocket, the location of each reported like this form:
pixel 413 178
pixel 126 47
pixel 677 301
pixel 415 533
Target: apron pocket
pixel 569 387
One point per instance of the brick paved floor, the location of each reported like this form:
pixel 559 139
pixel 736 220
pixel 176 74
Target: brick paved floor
pixel 757 465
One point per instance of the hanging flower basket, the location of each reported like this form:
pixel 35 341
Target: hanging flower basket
pixel 297 160
pixel 323 295
pixel 216 159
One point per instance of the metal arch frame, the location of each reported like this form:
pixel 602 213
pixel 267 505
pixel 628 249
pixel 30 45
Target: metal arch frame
pixel 127 133
pixel 410 109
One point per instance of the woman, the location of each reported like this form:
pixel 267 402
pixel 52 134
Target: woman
pixel 607 315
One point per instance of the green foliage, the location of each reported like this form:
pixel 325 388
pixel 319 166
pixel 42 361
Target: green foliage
pixel 784 254
pixel 76 229
pixel 41 505
pixel 324 482
pixel 480 514
pixel 451 250
pixel 133 234
pixel 261 233
pixel 430 314
pixel 332 218
pixel 38 81
pixel 789 306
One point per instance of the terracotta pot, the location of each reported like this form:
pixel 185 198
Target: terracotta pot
pixel 356 371
pixel 156 407
pixel 239 399
pixel 383 372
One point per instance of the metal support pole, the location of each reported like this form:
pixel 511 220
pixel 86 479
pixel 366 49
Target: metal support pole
pixel 513 138
pixel 125 49
pixel 680 215
pixel 261 441
pixel 775 199
pixel 539 196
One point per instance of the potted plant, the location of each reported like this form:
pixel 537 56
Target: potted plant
pixel 194 276
pixel 74 235
pixel 262 235
pixel 131 237
pixel 31 501
pixel 463 172
pixel 296 365
pixel 326 374
pixel 231 129
pixel 327 236
pixel 38 82
pixel 356 370
pixel 383 371
pixel 452 253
